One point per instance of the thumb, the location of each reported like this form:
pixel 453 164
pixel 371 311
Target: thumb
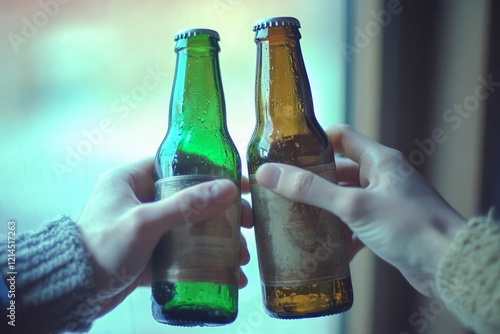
pixel 194 204
pixel 300 185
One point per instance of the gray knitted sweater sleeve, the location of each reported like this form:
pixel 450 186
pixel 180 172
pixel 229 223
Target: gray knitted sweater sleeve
pixel 54 287
pixel 468 278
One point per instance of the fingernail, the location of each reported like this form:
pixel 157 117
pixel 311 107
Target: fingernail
pixel 214 190
pixel 269 176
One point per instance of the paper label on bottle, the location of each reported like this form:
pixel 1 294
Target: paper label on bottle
pixel 297 243
pixel 202 251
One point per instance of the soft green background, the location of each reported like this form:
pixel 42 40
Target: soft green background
pixel 81 72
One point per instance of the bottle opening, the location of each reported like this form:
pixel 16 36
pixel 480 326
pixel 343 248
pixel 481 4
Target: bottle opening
pixel 182 34
pixel 282 21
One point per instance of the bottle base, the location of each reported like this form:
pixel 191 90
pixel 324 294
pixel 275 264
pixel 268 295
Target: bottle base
pixel 192 304
pixel 191 317
pixel 308 301
pixel 318 314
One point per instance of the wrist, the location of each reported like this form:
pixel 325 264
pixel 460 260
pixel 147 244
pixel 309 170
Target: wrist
pixel 444 231
pixel 426 246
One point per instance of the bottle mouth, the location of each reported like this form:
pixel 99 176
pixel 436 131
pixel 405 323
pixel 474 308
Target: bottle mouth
pixel 183 34
pixel 279 21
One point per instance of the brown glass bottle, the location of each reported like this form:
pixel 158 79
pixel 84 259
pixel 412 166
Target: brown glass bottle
pixel 302 258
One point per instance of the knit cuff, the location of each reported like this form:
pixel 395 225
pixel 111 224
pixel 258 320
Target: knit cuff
pixel 55 279
pixel 469 274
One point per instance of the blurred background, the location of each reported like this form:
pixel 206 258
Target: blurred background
pixel 73 104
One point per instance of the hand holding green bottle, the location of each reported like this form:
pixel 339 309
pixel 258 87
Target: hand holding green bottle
pixel 121 225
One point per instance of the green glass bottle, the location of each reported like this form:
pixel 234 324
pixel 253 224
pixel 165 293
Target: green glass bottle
pixel 196 267
pixel 302 257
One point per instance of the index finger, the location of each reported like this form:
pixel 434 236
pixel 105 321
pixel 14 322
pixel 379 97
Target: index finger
pixel 138 175
pixel 354 145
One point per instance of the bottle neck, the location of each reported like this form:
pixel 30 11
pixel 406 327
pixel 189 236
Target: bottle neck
pixel 197 101
pixel 284 100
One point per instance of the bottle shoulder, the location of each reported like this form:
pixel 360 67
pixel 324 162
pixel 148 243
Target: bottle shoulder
pixel 184 155
pixel 305 150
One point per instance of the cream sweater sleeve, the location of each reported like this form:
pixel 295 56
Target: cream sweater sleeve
pixel 468 279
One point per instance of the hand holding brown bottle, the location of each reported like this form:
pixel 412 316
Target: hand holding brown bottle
pixel 403 220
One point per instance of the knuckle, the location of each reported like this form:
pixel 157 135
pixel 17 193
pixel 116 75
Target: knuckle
pixel 343 127
pixel 135 223
pixel 138 216
pixel 354 206
pixel 339 129
pixel 301 184
pixel 397 155
pixel 389 158
pixel 105 176
pixel 393 155
pixel 113 175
